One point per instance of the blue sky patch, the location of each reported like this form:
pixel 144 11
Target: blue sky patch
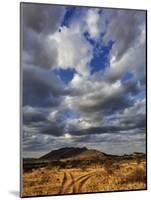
pixel 100 57
pixel 100 53
pixel 70 11
pixel 127 76
pixel 66 75
pixel 70 114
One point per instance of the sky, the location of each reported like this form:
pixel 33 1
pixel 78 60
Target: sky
pixel 84 79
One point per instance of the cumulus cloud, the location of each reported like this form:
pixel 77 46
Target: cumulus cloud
pixel 74 51
pixel 45 121
pixel 136 112
pixel 42 40
pixel 42 18
pixel 32 114
pixel 104 110
pixel 124 24
pixel 133 60
pixel 101 95
pixel 41 87
pixel 39 50
pixel 89 20
pixel 39 21
pixel 93 23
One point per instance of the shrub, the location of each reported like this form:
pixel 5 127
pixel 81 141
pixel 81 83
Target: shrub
pixel 139 175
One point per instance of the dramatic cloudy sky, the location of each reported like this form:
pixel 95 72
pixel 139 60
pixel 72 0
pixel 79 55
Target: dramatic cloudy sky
pixel 83 79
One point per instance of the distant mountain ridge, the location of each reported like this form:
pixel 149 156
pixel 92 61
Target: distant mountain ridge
pixel 75 156
pixel 83 153
pixel 77 153
pixel 63 153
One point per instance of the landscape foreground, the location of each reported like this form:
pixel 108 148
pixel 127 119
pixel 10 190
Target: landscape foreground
pixel 79 170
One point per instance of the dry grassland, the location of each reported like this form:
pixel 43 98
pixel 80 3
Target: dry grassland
pixel 110 176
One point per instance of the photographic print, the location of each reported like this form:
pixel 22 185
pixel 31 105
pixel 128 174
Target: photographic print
pixel 83 99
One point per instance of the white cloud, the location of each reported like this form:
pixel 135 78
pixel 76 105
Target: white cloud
pixel 74 51
pixel 92 20
pixel 133 60
pixel 124 28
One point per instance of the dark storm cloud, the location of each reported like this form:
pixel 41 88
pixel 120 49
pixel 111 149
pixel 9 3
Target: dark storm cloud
pixel 135 117
pixel 140 122
pixel 43 121
pixel 112 102
pixel 105 138
pixel 128 28
pixel 131 120
pixel 103 130
pixel 36 143
pixel 109 105
pixel 56 126
pixel 132 87
pixel 39 21
pixel 42 18
pixel 39 50
pixel 48 128
pixel 45 127
pixel 41 87
pixel 33 117
pixel 95 130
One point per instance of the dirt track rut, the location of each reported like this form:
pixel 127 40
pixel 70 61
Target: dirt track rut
pixel 70 184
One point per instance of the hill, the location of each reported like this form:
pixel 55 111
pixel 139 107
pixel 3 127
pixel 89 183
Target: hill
pixel 62 153
pixel 77 153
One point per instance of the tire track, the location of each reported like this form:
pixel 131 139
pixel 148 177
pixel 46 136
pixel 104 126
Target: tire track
pixel 74 185
pixel 68 184
pixel 63 183
pixel 82 183
pixel 82 180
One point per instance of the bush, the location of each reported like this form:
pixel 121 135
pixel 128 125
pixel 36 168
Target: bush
pixel 139 175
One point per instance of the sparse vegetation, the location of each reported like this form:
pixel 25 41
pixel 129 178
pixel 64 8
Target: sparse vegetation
pixel 80 176
pixel 137 175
